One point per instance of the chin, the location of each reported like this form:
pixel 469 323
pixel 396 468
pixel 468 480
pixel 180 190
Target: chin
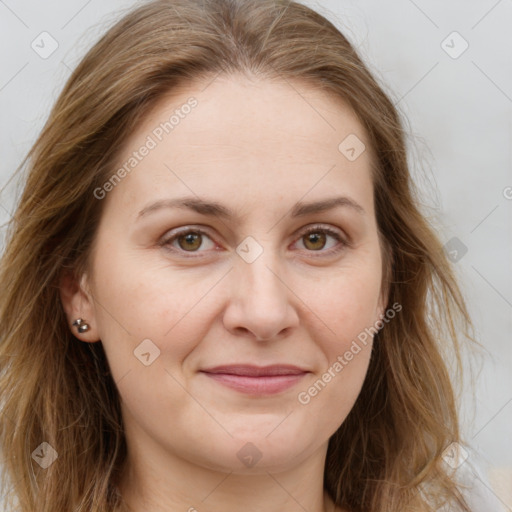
pixel 253 454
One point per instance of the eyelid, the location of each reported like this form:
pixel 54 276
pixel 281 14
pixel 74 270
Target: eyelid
pixel 336 233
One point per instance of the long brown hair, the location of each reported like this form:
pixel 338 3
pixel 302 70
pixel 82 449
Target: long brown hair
pixel 387 454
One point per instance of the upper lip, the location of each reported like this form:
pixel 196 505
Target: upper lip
pixel 256 371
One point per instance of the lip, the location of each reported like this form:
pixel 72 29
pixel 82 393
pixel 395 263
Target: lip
pixel 256 380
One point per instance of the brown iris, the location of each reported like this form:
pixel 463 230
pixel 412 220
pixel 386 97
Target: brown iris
pixel 315 238
pixel 193 241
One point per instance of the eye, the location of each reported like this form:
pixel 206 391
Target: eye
pixel 315 239
pixel 188 240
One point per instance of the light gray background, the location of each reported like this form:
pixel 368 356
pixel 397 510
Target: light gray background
pixel 460 112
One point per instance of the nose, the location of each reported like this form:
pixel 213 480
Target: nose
pixel 261 302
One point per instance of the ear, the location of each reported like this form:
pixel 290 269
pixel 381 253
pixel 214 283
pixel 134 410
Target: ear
pixel 77 302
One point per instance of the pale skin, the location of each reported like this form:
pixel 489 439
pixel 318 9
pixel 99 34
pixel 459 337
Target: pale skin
pixel 257 147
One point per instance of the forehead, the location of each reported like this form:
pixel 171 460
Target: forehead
pixel 243 138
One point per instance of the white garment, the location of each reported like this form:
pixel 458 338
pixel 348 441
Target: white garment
pixel 480 496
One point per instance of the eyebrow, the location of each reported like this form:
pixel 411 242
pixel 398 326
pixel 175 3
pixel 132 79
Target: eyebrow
pixel 215 209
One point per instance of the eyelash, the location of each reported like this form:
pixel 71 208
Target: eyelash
pixel 166 241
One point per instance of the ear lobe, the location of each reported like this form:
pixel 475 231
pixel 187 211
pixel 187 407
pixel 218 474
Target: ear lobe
pixel 78 303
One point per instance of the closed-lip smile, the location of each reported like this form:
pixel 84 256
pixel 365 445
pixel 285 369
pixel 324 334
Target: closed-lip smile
pixel 256 380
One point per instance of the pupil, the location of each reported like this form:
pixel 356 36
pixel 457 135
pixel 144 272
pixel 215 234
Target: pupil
pixel 315 238
pixel 190 238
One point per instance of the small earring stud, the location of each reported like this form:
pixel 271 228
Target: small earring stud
pixel 80 325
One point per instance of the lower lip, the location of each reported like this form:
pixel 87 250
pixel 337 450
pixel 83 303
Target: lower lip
pixel 263 385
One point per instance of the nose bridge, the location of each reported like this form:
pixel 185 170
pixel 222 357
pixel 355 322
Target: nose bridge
pixel 261 298
pixel 259 268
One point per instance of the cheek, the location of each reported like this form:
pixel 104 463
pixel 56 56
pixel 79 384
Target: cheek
pixel 138 300
pixel 346 315
pixel 347 305
pixel 333 393
pixel 346 346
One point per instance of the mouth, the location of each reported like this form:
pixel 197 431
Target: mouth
pixel 256 380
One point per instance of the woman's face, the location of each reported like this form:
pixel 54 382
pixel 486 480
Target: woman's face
pixel 243 237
